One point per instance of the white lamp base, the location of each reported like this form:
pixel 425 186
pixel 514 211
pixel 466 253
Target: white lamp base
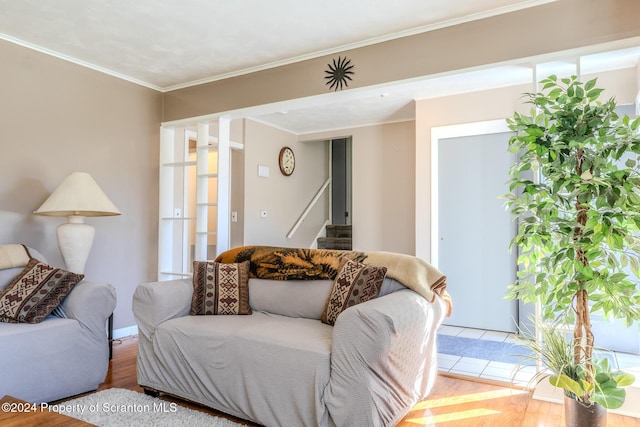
pixel 75 239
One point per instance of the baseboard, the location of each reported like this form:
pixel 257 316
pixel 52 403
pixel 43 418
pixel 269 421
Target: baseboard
pixel 125 332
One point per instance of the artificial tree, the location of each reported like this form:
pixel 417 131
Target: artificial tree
pixel 575 192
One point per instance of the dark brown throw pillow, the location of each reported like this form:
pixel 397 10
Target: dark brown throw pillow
pixel 220 288
pixel 35 292
pixel 355 283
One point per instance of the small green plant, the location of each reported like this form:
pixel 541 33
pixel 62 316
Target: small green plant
pixel 555 351
pixel 575 192
pixel 606 389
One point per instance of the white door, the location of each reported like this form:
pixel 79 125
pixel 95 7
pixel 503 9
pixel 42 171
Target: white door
pixel 474 230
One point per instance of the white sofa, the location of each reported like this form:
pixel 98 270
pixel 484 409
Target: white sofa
pixel 281 366
pixel 64 355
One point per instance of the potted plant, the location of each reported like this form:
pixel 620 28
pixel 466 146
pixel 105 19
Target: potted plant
pixel 575 192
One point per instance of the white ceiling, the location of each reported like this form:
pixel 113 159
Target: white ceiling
pixel 168 44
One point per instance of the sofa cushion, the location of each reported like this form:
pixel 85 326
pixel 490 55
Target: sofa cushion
pixel 266 368
pixel 355 283
pixel 292 298
pixel 220 288
pixel 34 293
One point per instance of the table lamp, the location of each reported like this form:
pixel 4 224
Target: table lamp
pixel 76 197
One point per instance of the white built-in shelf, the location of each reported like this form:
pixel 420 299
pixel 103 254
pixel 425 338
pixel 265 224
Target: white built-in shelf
pixel 210 147
pixel 176 164
pixel 207 175
pixel 207 204
pixel 208 233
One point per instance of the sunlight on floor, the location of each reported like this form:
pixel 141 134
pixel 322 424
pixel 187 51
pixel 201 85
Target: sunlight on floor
pixel 456 400
pixel 467 398
pixel 455 416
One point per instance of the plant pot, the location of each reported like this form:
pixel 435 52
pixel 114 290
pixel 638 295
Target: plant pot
pixel 577 414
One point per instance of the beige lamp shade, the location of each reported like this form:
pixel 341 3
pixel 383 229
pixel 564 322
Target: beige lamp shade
pixel 78 195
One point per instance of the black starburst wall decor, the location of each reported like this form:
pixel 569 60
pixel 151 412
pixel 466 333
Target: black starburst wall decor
pixel 338 73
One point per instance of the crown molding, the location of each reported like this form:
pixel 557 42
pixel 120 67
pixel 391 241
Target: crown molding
pixel 76 61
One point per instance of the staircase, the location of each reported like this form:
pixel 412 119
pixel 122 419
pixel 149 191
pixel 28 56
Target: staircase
pixel 338 237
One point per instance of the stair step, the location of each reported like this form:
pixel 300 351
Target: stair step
pixel 334 243
pixel 338 230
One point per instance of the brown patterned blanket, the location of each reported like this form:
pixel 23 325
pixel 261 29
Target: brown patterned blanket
pixel 268 262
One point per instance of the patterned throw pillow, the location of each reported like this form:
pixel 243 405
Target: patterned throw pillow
pixel 355 283
pixel 220 288
pixel 35 292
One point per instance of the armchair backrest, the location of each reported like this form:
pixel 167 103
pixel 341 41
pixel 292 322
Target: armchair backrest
pixel 8 274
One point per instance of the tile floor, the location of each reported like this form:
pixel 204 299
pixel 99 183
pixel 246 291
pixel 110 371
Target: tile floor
pixel 506 372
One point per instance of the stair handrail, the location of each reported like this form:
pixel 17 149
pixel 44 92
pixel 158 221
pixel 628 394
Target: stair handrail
pixel 310 206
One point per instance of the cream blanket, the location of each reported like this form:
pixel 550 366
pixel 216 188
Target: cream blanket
pixel 13 256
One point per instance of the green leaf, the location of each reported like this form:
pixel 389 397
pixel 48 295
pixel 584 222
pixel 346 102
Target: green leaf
pixel 555 93
pixel 593 94
pixel 624 379
pixel 564 382
pixel 590 84
pixel 611 399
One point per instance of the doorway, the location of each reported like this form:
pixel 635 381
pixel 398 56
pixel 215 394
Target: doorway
pixel 471 229
pixel 341 181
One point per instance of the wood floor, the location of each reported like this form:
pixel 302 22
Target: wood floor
pixel 454 402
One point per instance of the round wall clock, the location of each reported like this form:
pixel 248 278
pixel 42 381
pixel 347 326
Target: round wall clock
pixel 287 161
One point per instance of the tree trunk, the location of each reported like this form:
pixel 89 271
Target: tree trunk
pixel 582 334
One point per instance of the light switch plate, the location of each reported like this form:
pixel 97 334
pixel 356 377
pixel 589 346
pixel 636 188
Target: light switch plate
pixel 263 171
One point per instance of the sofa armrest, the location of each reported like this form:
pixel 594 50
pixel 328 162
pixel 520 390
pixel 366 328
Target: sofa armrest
pixel 156 302
pixel 91 304
pixel 383 359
